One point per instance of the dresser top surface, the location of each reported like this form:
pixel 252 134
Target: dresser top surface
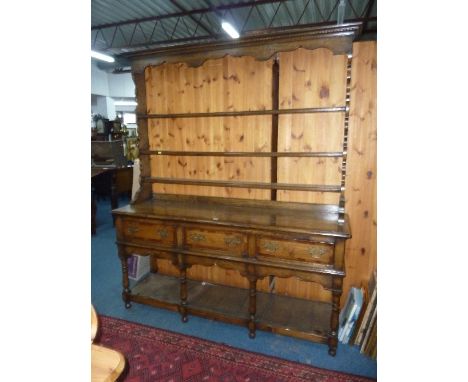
pixel 287 217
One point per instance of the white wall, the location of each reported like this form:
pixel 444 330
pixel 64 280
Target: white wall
pixel 107 87
pixel 99 82
pixel 121 85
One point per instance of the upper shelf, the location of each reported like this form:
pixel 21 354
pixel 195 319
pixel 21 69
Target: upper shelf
pixel 335 109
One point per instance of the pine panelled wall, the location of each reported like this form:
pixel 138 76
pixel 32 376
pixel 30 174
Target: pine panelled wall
pixel 307 78
pixel 361 183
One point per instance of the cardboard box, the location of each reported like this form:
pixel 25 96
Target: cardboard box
pixel 138 266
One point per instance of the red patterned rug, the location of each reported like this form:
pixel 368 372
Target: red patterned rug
pixel 159 355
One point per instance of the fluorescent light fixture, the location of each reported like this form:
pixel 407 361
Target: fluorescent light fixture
pixel 101 56
pixel 229 29
pixel 125 103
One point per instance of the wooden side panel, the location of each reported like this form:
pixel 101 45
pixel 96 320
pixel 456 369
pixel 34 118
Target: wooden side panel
pixel 311 79
pixel 361 182
pixel 213 274
pixel 301 289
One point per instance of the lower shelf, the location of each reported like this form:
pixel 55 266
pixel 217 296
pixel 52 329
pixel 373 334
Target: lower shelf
pixel 280 314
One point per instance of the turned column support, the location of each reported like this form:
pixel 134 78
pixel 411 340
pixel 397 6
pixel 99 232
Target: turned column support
pixel 183 288
pixel 182 275
pixel 337 284
pixel 125 282
pixel 252 305
pixel 252 277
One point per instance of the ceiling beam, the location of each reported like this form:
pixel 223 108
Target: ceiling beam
pixel 187 13
pixel 202 25
pixel 194 40
pixel 370 5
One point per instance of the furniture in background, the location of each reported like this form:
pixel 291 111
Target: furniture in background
pixel 111 175
pixel 112 182
pixel 108 154
pixel 106 364
pixel 205 141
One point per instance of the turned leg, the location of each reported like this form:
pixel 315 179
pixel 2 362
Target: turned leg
pixel 183 294
pixel 154 265
pixel 334 320
pixel 125 282
pixel 252 305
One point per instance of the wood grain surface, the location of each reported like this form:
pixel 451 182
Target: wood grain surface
pixel 311 79
pixel 361 183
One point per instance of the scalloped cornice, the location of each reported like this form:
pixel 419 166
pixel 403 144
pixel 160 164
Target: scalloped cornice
pixel 262 46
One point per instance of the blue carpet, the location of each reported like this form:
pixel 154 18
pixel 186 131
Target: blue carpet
pixel 106 291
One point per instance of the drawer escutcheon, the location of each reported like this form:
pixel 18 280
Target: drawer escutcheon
pixel 317 252
pixel 270 246
pixel 163 233
pixel 132 229
pixel 197 237
pixel 232 241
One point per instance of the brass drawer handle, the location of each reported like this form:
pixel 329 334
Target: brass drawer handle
pixel 232 241
pixel 163 233
pixel 317 252
pixel 197 237
pixel 132 229
pixel 270 246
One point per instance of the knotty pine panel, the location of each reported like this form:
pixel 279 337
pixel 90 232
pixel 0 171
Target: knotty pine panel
pixel 249 133
pixel 227 84
pixel 311 79
pixel 361 182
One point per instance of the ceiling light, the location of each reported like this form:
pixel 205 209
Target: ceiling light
pixel 125 103
pixel 101 56
pixel 230 30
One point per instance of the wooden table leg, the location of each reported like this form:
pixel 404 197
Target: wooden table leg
pixel 114 194
pixel 125 282
pixel 252 305
pixel 334 320
pixel 183 289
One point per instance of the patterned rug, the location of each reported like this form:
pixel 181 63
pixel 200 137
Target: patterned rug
pixel 159 355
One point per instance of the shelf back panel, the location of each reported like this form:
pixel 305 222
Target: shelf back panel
pixel 227 84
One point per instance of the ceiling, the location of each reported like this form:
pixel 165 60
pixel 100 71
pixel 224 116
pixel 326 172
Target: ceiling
pixel 121 27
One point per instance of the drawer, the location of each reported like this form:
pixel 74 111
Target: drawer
pixel 232 242
pixel 295 250
pixel 148 230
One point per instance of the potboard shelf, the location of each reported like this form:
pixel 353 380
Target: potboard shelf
pixel 275 313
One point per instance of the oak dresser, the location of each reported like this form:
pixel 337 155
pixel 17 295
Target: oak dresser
pixel 263 236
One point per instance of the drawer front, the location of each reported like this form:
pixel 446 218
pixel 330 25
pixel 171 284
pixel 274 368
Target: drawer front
pixel 294 250
pixel 232 242
pixel 148 230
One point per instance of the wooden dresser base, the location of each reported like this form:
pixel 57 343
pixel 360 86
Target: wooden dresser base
pixel 257 240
